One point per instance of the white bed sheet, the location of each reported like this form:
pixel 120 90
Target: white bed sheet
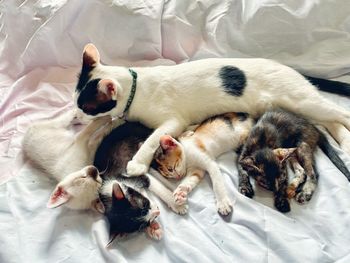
pixel 41 44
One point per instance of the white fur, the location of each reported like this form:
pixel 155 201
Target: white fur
pixel 170 98
pixel 197 161
pixel 54 148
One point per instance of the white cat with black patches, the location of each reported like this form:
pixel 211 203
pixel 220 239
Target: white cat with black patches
pixel 170 98
pixel 51 146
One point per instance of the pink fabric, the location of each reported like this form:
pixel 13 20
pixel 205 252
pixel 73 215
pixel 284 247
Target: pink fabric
pixel 37 95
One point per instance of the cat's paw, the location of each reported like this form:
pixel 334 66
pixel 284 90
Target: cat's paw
pixel 306 193
pixel 224 206
pixel 154 231
pixel 180 194
pixel 247 190
pixel 282 205
pixel 180 209
pixel 135 168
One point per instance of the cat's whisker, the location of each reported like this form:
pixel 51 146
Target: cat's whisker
pixel 105 170
pixel 111 240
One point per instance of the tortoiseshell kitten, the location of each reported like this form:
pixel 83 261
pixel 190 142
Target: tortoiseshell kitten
pixel 277 137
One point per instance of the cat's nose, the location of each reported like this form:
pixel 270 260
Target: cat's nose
pixel 92 171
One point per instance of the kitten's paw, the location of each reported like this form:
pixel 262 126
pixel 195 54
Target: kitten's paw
pixel 247 190
pixel 224 206
pixel 282 205
pixel 303 197
pixel 154 231
pixel 135 168
pixel 180 194
pixel 180 209
pixel 291 191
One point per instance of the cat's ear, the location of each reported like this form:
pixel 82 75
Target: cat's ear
pixel 283 153
pixel 167 142
pixel 249 163
pixel 91 57
pixel 118 192
pixel 58 197
pixel 98 206
pixel 109 88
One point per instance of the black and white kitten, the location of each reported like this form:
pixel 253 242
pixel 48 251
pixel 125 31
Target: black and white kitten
pixel 128 207
pixel 277 137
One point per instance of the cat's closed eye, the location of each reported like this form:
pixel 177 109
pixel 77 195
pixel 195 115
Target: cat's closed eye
pixel 170 169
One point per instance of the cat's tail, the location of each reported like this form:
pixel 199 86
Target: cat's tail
pixel 328 149
pixel 332 86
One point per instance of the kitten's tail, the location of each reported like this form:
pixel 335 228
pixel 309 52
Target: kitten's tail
pixel 332 86
pixel 328 149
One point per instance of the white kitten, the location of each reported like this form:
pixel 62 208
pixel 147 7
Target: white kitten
pixel 51 146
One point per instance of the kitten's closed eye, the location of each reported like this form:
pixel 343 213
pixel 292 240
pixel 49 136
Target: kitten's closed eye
pixel 249 164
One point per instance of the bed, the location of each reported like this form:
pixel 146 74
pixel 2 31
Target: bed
pixel 41 46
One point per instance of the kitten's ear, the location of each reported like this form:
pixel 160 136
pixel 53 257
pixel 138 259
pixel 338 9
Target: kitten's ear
pixel 167 142
pixel 91 57
pixel 118 192
pixel 283 153
pixel 58 197
pixel 249 163
pixel 98 206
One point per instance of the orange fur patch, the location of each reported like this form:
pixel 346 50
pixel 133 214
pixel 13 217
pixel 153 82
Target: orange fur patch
pixel 200 144
pixel 199 174
pixel 231 115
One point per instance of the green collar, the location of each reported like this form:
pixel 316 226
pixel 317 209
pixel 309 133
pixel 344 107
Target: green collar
pixel 132 93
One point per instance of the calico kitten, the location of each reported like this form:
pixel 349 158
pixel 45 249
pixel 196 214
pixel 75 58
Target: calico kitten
pixel 51 146
pixel 170 98
pixel 279 136
pixel 127 205
pixel 196 152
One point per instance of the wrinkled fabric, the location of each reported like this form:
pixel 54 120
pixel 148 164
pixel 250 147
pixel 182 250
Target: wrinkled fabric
pixel 41 44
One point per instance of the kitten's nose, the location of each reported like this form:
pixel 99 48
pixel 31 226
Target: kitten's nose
pixel 92 171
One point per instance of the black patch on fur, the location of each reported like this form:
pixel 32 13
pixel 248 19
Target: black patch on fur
pixel 228 121
pixel 125 216
pixel 84 77
pixel 242 116
pixel 88 96
pixel 267 159
pixel 233 80
pixel 332 86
